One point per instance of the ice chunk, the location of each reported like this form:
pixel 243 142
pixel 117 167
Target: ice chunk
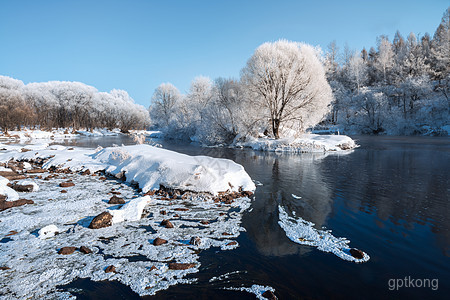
pixel 303 232
pixel 131 211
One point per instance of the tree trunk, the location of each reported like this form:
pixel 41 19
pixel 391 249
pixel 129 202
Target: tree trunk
pixel 275 128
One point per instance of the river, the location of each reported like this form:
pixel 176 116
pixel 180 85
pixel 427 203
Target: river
pixel 389 197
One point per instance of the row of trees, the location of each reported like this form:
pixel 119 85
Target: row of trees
pixel 66 104
pixel 394 88
pixel 282 91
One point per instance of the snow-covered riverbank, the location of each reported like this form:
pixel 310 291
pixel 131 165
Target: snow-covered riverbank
pixel 153 241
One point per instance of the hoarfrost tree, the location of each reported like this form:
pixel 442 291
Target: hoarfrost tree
pixel 357 70
pixel 164 100
pixel 287 80
pixel 385 59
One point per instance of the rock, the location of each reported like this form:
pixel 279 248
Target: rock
pixel 167 224
pixel 21 187
pixel 269 295
pixel 195 240
pixel 232 243
pixel 34 171
pixel 153 268
pixel 158 241
pixel 66 184
pixel 67 250
pixel 247 194
pixel 358 254
pixel 102 220
pixel 110 269
pixel 24 150
pixel 2 198
pixel 116 200
pixel 180 266
pixel 86 172
pixel 204 222
pixel 85 250
pixel 9 204
pixel 63 191
pixel 163 212
pixel 181 209
pixel 4 268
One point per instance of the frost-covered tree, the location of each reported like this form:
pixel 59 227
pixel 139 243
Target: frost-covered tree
pixel 358 71
pixel 164 101
pixel 440 48
pixel 385 57
pixel 287 81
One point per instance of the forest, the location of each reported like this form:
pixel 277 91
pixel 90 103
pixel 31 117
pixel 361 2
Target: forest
pixel 399 87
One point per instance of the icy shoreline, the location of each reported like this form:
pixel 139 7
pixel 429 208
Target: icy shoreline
pixel 33 261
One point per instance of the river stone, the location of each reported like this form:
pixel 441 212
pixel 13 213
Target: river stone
pixel 66 184
pixel 85 250
pixel 269 295
pixel 116 200
pixel 167 224
pixel 159 241
pixel 67 250
pixel 102 220
pixel 110 269
pixel 358 254
pixel 180 266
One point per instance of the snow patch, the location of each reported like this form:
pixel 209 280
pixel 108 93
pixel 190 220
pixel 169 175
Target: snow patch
pixel 303 232
pixel 131 211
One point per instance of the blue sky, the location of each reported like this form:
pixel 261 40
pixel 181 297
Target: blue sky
pixel 136 45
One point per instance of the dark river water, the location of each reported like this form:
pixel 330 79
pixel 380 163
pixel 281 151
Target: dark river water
pixel 390 198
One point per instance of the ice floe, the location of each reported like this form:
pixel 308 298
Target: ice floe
pixel 303 232
pixel 257 290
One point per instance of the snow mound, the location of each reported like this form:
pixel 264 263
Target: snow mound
pixel 303 232
pixel 11 195
pixel 29 182
pixel 131 211
pixel 148 166
pixel 47 231
pixel 305 143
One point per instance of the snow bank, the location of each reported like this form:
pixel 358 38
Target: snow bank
pixel 149 166
pixel 305 143
pixel 303 232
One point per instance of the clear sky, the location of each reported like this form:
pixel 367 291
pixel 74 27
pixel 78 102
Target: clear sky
pixel 136 45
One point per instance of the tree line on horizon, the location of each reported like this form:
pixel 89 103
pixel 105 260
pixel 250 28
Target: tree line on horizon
pixel 65 104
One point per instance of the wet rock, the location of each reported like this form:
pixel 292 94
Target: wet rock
pixel 21 187
pixel 34 171
pixel 195 240
pixel 86 172
pixel 102 178
pixel 163 212
pixel 153 268
pixel 67 250
pixel 102 220
pixel 159 241
pixel 66 184
pixel 269 295
pixel 204 222
pixel 110 269
pixel 232 243
pixel 2 198
pixel 181 209
pixel 358 254
pixel 167 224
pixel 63 191
pixel 180 266
pixel 12 232
pixel 115 192
pixel 9 204
pixel 247 194
pixel 4 268
pixel 116 200
pixel 85 250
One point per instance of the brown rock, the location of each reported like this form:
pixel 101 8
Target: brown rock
pixel 153 268
pixel 34 171
pixel 12 232
pixel 167 224
pixel 24 150
pixel 102 220
pixel 116 200
pixel 163 212
pixel 66 184
pixel 204 222
pixel 67 250
pixel 232 243
pixel 358 254
pixel 181 209
pixel 85 250
pixel 159 241
pixel 4 268
pixel 63 191
pixel 226 233
pixel 2 198
pixel 86 172
pixel 269 295
pixel 8 204
pixel 21 187
pixel 102 178
pixel 195 240
pixel 110 269
pixel 247 194
pixel 180 266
